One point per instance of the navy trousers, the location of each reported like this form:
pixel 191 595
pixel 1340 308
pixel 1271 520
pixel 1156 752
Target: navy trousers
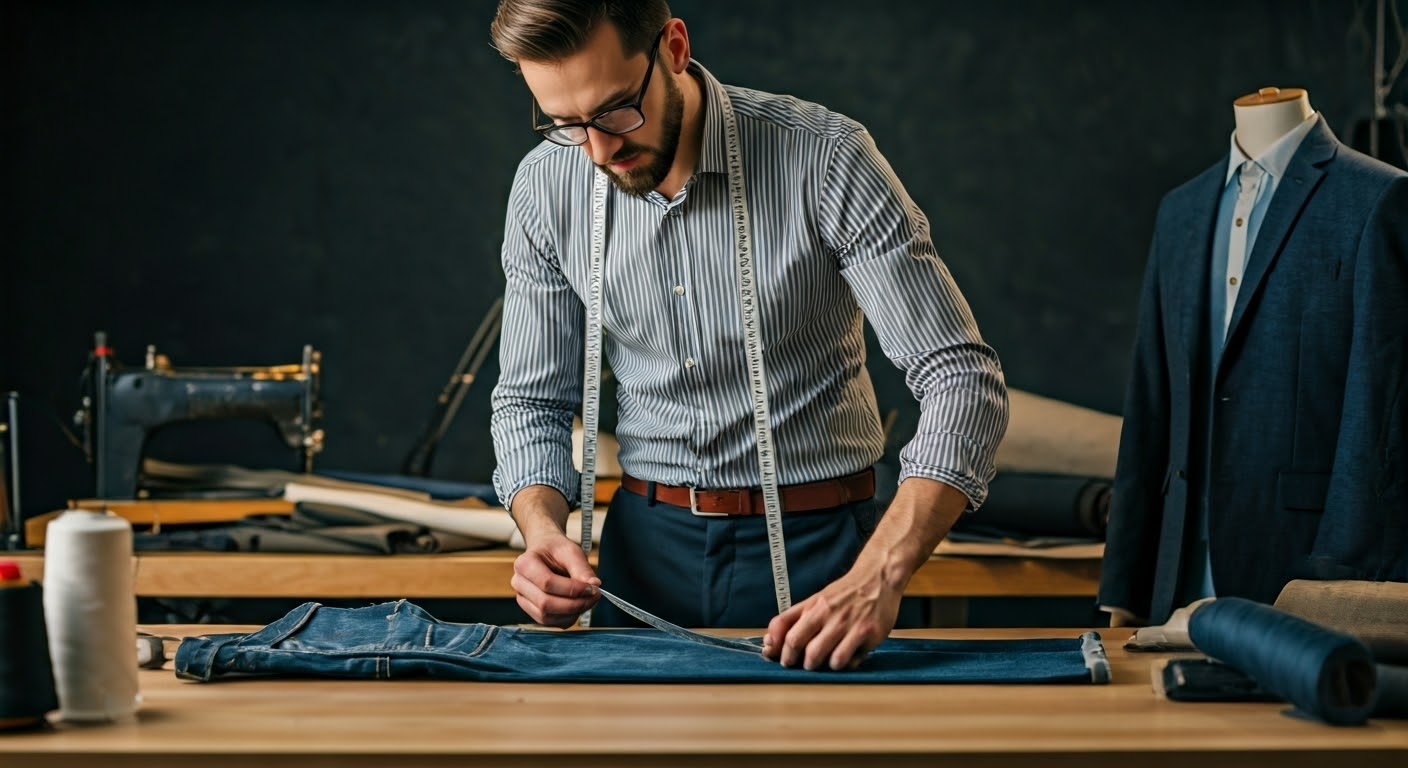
pixel 715 571
pixel 400 640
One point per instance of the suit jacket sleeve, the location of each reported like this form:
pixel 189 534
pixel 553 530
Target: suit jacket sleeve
pixel 1136 510
pixel 1364 531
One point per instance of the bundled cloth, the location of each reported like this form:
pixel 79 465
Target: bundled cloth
pixel 1040 505
pixel 1337 650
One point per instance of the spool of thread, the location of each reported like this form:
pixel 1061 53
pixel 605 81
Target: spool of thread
pixel 1323 672
pixel 92 615
pixel 26 679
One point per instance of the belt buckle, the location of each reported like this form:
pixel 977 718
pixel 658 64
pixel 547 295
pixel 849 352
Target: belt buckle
pixel 694 506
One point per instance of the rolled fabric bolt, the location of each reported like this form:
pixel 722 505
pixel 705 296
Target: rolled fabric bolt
pixel 1323 672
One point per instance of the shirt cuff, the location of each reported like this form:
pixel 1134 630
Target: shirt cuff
pixel 567 482
pixel 954 460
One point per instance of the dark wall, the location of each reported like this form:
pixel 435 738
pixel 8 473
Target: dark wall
pixel 231 180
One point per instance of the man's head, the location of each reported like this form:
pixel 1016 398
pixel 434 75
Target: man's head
pixel 584 58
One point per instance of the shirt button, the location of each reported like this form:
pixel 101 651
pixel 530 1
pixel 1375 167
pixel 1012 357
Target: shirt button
pixel 679 290
pixel 1232 280
pixel 1239 222
pixel 689 362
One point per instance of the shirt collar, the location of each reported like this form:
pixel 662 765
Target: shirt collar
pixel 1277 157
pixel 713 155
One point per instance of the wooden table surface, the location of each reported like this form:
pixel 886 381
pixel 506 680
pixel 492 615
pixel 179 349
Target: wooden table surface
pixel 306 723
pixel 486 574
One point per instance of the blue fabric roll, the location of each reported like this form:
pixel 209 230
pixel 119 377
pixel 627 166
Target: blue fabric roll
pixel 1325 673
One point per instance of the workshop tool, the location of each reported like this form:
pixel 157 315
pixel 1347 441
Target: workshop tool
pixel 447 404
pixel 748 645
pixel 753 349
pixel 11 519
pixel 123 408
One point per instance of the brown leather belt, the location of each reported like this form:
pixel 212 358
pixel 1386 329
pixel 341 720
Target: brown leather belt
pixel 805 497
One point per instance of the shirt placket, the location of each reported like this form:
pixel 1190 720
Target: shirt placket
pixel 1249 184
pixel 685 312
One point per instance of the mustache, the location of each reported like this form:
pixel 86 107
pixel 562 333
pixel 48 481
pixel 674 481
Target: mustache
pixel 628 152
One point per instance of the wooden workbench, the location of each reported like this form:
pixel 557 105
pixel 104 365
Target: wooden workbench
pixel 288 723
pixel 486 574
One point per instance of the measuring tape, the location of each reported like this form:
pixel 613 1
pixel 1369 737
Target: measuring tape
pixel 731 643
pixel 753 347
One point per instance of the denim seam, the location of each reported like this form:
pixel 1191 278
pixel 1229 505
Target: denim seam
pixel 300 623
pixel 485 641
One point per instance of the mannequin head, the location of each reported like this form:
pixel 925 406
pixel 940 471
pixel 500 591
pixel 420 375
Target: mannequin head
pixel 1267 115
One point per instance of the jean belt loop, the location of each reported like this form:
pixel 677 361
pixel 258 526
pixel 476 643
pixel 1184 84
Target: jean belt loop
pixel 650 493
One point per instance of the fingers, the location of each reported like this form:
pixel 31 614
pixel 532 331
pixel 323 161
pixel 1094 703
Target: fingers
pixel 573 561
pixel 815 613
pixel 815 635
pixel 777 631
pixel 852 650
pixel 545 593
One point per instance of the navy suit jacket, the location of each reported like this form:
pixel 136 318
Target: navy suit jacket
pixel 1301 419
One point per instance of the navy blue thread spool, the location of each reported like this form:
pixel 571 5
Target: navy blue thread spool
pixel 26 677
pixel 1323 672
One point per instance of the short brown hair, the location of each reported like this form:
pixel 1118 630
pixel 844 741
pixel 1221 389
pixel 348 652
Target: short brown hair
pixel 551 30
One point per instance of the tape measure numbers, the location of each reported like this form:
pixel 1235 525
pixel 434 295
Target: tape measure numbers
pixel 753 348
pixel 675 630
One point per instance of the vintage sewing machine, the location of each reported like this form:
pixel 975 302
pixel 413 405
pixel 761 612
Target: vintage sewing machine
pixel 122 408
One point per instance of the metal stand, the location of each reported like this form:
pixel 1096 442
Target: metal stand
pixel 417 462
pixel 10 490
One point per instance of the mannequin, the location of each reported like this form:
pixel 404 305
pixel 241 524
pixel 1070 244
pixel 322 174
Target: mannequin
pixel 1267 115
pixel 1264 424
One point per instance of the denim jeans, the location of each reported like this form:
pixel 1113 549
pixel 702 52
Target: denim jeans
pixel 400 640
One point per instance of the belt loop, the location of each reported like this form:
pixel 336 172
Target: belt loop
pixel 649 493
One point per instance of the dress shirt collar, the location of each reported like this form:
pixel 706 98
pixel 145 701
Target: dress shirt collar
pixel 1277 156
pixel 713 154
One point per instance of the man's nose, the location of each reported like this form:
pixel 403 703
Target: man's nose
pixel 601 146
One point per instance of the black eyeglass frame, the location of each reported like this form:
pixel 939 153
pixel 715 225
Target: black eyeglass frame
pixel 554 131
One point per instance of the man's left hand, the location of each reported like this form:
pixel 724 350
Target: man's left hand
pixel 837 627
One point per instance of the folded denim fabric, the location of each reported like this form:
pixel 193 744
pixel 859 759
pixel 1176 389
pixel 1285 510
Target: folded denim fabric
pixel 401 640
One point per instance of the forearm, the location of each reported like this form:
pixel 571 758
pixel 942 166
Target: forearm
pixel 916 521
pixel 540 510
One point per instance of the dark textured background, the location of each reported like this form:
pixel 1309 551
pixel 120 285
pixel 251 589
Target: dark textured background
pixel 229 180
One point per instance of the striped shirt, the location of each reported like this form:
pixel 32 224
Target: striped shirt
pixel 834 235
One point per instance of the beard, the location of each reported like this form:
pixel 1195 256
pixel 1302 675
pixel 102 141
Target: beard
pixel 640 180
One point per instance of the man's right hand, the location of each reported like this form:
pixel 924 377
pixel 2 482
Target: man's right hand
pixel 554 581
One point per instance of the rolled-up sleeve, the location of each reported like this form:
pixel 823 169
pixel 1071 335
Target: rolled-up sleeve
pixel 540 358
pixel 881 240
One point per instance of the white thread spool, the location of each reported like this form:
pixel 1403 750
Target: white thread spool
pixel 91 613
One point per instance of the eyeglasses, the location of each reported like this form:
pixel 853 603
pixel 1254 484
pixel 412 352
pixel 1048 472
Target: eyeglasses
pixel 617 120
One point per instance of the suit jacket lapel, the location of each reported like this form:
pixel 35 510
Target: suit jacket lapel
pixel 1187 262
pixel 1194 259
pixel 1303 175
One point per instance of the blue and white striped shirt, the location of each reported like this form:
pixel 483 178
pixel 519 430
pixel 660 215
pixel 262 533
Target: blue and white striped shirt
pixel 834 234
